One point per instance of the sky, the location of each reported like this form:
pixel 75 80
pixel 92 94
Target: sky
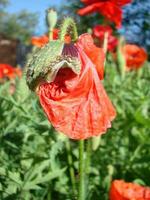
pixel 38 6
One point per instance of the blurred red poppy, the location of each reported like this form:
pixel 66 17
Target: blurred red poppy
pixel 39 41
pixel 76 103
pixel 99 33
pixel 42 40
pixel 111 9
pixel 121 190
pixel 100 30
pixel 18 72
pixel 7 71
pixel 135 56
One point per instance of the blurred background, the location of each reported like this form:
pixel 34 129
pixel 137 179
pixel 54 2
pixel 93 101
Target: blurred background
pixel 34 159
pixel 19 21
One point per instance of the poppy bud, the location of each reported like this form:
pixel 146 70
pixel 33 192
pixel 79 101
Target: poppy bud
pixel 44 64
pixel 96 142
pixel 51 18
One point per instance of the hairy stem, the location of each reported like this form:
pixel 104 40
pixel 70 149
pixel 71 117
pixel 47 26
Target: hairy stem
pixel 71 169
pixel 50 35
pixel 105 45
pixel 81 171
pixel 88 156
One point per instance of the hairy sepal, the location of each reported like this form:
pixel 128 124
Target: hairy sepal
pixel 40 62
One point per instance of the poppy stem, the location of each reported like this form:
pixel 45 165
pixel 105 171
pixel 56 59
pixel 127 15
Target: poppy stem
pixel 121 58
pixel 88 156
pixel 105 45
pixel 81 171
pixel 71 169
pixel 50 35
pixel 87 164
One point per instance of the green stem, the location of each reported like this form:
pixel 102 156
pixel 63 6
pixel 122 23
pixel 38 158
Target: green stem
pixel 88 156
pixel 49 194
pixel 105 45
pixel 50 35
pixel 87 165
pixel 68 27
pixel 71 169
pixel 81 171
pixel 121 58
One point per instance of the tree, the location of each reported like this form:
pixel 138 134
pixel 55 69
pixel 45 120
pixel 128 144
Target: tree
pixel 18 25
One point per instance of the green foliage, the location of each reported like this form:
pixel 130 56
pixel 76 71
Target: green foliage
pixel 29 151
pixel 34 159
pixel 19 25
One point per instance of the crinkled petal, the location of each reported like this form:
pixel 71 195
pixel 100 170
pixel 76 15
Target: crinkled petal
pixel 77 105
pixel 94 53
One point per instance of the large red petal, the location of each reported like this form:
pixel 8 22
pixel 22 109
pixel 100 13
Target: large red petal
pixel 78 105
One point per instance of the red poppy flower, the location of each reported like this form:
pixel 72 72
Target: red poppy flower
pixel 7 71
pixel 99 33
pixel 135 56
pixel 76 103
pixel 42 40
pixel 121 190
pixel 111 9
